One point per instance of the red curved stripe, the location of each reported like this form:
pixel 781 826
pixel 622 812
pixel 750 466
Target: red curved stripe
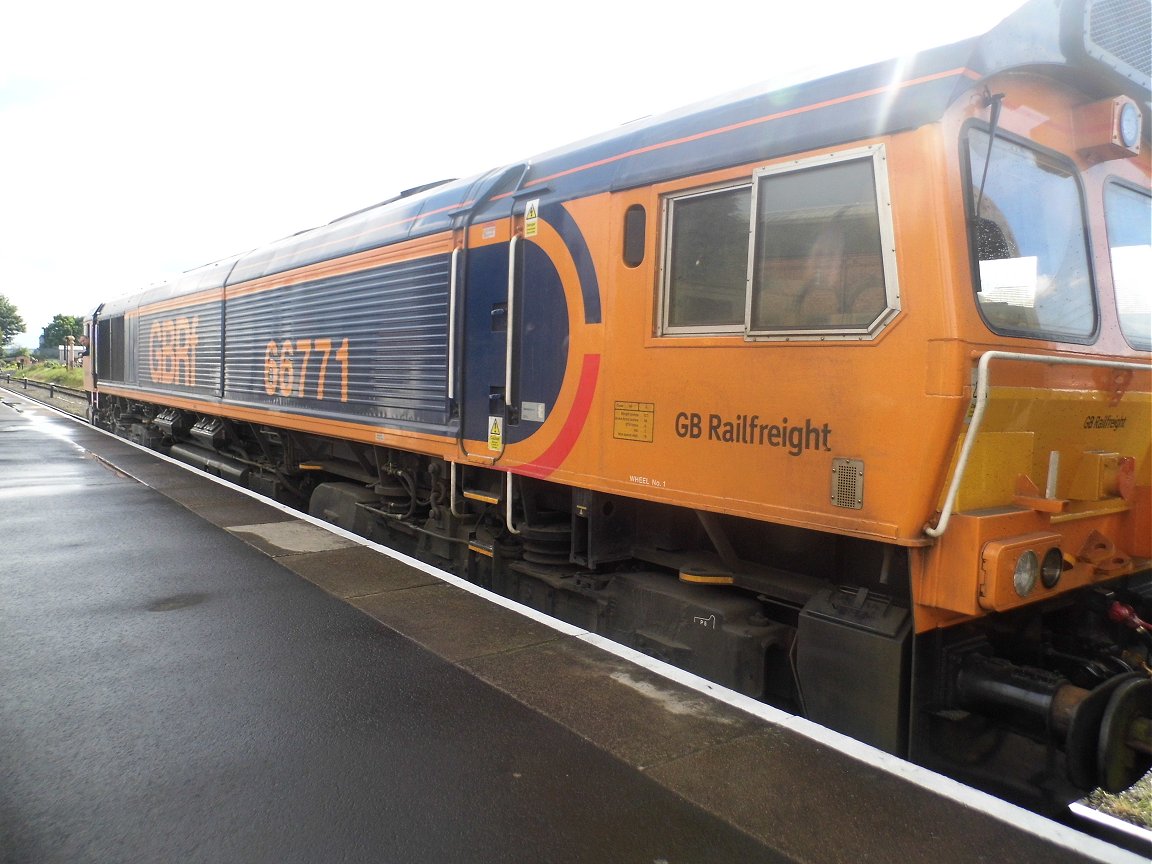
pixel 551 458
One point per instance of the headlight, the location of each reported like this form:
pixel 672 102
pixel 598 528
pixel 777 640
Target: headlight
pixel 1051 567
pixel 1027 569
pixel 1010 569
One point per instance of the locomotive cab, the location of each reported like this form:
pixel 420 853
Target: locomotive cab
pixel 1042 533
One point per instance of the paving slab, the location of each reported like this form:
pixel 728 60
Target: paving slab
pixel 846 806
pixel 631 712
pixel 453 623
pixel 357 571
pixel 289 537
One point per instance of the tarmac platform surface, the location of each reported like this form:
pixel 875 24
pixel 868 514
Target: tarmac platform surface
pixel 190 674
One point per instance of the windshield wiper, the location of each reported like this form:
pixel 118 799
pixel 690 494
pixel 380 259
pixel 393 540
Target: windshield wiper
pixel 993 101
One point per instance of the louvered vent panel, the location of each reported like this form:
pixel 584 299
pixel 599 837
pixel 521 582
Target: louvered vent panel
pixel 1123 29
pixel 384 334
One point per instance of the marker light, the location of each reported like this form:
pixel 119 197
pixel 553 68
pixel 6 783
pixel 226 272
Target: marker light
pixel 1052 567
pixel 1027 569
pixel 1129 125
pixel 1108 128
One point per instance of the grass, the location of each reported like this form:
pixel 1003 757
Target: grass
pixel 1132 805
pixel 50 373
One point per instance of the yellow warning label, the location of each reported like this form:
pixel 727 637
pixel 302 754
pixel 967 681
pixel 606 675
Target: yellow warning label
pixel 495 433
pixel 532 218
pixel 634 421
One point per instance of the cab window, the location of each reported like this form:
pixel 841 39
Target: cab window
pixel 819 252
pixel 805 251
pixel 706 260
pixel 1129 217
pixel 1029 242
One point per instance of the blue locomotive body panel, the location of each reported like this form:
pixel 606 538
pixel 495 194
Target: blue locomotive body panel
pixel 366 345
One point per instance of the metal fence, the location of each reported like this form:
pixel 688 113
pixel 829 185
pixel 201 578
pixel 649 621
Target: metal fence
pixel 53 389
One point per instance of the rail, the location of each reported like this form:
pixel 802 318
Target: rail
pixel 53 389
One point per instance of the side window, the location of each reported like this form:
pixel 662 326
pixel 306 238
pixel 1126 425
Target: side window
pixel 1128 214
pixel 819 261
pixel 1028 236
pixel 706 261
pixel 804 251
pixel 635 223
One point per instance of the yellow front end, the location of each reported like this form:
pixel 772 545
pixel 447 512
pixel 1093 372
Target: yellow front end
pixel 1055 493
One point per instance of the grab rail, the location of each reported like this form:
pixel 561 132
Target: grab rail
pixel 509 339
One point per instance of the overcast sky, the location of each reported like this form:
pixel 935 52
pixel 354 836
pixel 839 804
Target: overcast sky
pixel 141 139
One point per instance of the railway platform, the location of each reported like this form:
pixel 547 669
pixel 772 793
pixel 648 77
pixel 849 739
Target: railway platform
pixel 188 673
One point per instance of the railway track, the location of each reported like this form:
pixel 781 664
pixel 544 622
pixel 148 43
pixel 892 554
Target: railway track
pixel 67 399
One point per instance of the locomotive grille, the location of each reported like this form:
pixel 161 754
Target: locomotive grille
pixel 1121 30
pixel 848 483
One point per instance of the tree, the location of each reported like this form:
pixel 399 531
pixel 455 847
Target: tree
pixel 54 334
pixel 10 321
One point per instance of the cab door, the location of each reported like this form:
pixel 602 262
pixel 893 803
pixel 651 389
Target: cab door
pixel 491 345
pixel 516 341
pixel 487 307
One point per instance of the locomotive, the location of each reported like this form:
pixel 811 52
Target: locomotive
pixel 838 395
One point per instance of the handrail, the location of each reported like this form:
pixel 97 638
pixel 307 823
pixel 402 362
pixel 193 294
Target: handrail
pixel 981 404
pixel 452 490
pixel 509 343
pixel 508 508
pixel 509 318
pixel 508 346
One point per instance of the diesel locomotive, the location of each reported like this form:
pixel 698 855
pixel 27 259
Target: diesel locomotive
pixel 838 395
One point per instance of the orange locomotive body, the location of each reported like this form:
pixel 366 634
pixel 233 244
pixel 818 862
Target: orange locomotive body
pixel 839 395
